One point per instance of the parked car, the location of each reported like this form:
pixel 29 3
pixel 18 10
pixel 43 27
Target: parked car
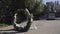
pixel 51 16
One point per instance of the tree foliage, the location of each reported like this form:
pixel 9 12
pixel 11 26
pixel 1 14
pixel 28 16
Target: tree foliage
pixel 38 7
pixel 8 8
pixel 35 6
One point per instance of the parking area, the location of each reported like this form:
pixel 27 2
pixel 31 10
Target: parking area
pixel 43 27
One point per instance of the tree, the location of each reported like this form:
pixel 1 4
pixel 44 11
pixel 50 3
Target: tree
pixel 9 7
pixel 35 6
pixel 38 7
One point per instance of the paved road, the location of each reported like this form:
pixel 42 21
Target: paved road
pixel 43 27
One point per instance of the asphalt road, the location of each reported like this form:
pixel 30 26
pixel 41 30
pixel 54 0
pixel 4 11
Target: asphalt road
pixel 43 27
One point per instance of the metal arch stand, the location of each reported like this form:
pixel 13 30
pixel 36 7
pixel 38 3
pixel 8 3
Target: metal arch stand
pixel 26 28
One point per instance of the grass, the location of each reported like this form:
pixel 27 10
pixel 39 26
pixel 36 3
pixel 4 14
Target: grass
pixel 3 25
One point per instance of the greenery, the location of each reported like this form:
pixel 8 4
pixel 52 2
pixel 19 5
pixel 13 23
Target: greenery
pixel 8 8
pixel 35 6
pixel 39 7
pixel 3 25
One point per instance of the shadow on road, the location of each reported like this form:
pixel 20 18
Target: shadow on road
pixel 53 19
pixel 10 31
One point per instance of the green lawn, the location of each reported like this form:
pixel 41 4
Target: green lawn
pixel 3 25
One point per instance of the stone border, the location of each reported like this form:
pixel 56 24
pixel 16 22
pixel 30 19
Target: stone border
pixel 26 28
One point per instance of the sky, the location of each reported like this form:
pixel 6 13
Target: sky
pixel 44 1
